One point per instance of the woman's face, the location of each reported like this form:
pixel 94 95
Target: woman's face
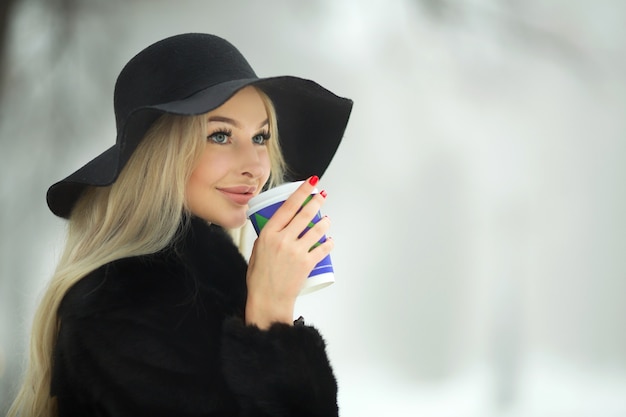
pixel 235 163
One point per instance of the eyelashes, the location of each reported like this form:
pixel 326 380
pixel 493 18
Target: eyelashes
pixel 261 137
pixel 265 134
pixel 222 136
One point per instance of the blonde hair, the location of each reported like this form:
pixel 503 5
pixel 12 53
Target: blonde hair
pixel 137 215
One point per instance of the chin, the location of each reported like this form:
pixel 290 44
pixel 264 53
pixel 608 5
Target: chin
pixel 232 222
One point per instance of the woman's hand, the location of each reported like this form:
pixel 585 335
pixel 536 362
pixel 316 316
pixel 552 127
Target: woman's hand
pixel 281 261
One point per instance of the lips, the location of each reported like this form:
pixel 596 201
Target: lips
pixel 239 195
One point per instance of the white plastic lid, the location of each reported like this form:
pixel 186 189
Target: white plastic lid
pixel 272 196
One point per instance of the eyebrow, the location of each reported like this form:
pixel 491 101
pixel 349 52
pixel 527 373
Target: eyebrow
pixel 233 122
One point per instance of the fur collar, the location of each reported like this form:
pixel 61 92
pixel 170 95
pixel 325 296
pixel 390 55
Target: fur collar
pixel 202 261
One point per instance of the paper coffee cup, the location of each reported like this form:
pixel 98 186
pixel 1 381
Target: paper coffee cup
pixel 262 208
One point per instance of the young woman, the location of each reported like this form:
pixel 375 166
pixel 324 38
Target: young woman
pixel 152 310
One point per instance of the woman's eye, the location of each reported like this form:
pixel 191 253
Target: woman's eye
pixel 219 137
pixel 261 138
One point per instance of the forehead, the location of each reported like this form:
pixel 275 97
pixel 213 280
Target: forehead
pixel 246 103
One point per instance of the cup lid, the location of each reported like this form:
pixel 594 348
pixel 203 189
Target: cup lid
pixel 272 196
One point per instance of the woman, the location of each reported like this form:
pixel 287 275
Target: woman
pixel 152 310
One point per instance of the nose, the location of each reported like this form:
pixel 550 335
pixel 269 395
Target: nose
pixel 252 160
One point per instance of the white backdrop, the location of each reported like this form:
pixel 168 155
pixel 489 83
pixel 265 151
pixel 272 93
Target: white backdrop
pixel 477 200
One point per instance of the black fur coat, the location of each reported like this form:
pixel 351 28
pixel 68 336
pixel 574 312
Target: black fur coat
pixel 163 335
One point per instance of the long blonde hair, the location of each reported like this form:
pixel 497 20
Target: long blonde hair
pixel 137 215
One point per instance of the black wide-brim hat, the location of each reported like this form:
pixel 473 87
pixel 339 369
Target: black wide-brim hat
pixel 192 74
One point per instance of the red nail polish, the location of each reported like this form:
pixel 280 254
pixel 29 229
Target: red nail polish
pixel 313 180
pixel 323 193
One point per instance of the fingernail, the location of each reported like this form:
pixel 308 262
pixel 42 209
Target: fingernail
pixel 313 180
pixel 323 193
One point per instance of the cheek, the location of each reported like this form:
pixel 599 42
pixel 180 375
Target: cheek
pixel 193 190
pixel 266 166
pixel 202 177
pixel 199 177
pixel 209 169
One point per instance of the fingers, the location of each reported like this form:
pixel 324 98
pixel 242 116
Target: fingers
pixel 308 216
pixel 293 207
pixel 313 237
pixel 298 222
pixel 322 250
pixel 288 248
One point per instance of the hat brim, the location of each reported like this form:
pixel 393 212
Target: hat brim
pixel 311 123
pixel 311 119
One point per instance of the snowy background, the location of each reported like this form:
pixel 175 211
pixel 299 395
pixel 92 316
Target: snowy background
pixel 478 200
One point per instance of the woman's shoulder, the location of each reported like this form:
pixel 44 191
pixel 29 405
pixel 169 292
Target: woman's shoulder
pixel 129 284
pixel 201 266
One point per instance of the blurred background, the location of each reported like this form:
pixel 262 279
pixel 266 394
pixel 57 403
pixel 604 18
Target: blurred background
pixel 478 198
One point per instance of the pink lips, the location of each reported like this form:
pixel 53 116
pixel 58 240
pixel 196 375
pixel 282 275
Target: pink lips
pixel 239 194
